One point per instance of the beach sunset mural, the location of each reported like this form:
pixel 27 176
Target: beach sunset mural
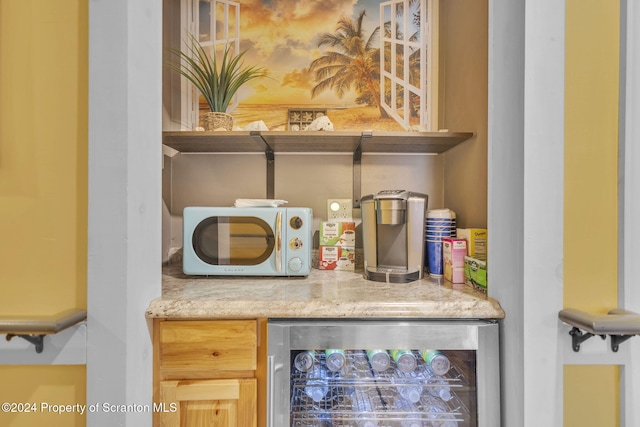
pixel 323 55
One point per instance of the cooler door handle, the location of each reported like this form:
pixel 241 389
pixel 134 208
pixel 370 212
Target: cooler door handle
pixel 271 389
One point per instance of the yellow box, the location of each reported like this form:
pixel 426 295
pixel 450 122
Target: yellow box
pixel 477 239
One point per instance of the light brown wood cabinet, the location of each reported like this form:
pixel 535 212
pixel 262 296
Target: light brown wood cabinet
pixel 209 372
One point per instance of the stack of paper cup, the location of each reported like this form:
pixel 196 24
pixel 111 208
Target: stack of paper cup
pixel 439 223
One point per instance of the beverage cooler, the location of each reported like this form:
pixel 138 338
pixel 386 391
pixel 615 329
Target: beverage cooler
pixel 366 373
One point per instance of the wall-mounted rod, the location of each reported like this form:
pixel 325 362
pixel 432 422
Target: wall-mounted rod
pixel 34 328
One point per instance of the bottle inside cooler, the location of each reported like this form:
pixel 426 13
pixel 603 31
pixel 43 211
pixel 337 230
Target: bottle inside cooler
pixel 362 406
pixel 369 388
pixel 317 384
pixel 410 385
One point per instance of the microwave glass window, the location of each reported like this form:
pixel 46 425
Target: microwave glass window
pixel 223 240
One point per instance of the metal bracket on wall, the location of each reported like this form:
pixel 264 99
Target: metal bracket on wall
pixel 271 166
pixel 34 329
pixel 357 169
pixel 271 162
pixel 36 340
pixel 619 324
pixel 577 337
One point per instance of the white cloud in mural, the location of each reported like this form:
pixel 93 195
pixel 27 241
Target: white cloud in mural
pixel 302 78
pixel 270 24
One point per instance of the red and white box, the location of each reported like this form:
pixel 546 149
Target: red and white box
pixel 453 253
pixel 336 258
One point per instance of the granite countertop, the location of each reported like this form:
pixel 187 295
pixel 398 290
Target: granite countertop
pixel 323 294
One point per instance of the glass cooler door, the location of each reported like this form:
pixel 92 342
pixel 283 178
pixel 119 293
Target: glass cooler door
pixel 365 390
pixel 412 374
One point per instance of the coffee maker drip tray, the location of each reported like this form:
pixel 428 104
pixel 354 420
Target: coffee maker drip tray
pixel 391 275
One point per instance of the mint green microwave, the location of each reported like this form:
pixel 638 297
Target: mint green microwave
pixel 247 241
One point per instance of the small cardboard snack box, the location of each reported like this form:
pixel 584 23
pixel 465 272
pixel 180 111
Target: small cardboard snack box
pixel 475 273
pixel 338 234
pixel 476 241
pixel 336 258
pixel 453 252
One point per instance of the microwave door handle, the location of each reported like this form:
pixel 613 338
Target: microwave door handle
pixel 279 242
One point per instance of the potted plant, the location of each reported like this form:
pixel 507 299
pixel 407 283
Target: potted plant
pixel 217 81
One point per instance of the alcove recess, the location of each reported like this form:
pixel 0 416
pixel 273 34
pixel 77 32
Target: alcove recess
pixel 272 142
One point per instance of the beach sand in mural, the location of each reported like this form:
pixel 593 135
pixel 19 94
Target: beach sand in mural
pixel 343 119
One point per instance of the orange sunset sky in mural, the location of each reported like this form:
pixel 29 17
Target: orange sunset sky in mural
pixel 281 35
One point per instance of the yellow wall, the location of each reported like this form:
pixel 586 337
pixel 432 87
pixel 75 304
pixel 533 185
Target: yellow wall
pixel 43 186
pixel 591 202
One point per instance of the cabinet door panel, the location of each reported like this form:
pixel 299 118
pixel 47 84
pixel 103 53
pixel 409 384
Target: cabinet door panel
pixel 203 403
pixel 207 347
pixel 209 413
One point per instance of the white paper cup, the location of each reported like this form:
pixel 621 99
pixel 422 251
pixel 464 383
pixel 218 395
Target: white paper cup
pixel 440 213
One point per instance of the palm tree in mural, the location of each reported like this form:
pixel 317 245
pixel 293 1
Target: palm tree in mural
pixel 352 61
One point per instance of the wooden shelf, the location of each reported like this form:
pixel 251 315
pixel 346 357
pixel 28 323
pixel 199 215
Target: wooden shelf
pixel 273 142
pixel 313 142
pixel 214 142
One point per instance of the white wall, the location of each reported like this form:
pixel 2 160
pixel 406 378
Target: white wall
pixel 526 137
pixel 526 131
pixel 505 194
pixel 124 203
pixel 630 146
pixel 543 210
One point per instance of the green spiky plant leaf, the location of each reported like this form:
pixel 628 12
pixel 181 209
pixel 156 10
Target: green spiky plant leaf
pixel 217 81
